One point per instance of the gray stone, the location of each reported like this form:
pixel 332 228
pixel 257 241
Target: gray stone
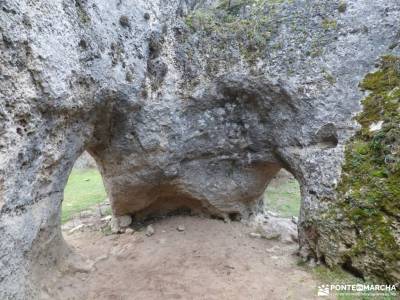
pixel 115 228
pixel 85 161
pixel 86 214
pixel 276 228
pixel 120 223
pixel 149 230
pixel 255 235
pixel 80 227
pixel 106 219
pixel 202 121
pixel 130 231
pixel 124 221
pixel 271 214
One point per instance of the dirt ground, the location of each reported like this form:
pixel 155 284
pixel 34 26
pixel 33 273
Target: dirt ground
pixel 210 259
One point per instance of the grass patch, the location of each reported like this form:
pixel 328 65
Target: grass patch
pixel 283 197
pixel 84 189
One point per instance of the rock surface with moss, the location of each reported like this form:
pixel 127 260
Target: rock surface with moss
pixel 193 105
pixel 364 223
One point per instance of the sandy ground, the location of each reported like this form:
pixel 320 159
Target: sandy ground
pixel 210 259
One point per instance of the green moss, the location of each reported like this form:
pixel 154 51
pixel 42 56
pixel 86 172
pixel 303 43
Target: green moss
pixel 334 276
pixel 81 11
pixel 369 192
pixel 342 7
pixel 329 24
pixel 224 25
pixel 329 77
pixel 233 7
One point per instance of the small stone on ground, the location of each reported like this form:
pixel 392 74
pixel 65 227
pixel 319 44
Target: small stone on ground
pixel 149 230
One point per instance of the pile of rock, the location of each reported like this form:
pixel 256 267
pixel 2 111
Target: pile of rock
pixel 272 227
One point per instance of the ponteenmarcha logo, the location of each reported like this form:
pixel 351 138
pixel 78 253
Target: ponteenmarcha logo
pixel 357 289
pixel 323 290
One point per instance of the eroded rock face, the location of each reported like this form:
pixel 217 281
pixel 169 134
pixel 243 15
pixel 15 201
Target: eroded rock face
pixel 85 161
pixel 361 228
pixel 192 104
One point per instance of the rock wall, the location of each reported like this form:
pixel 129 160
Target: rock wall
pixel 361 229
pixel 85 161
pixel 194 104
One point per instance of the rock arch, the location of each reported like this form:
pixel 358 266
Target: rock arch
pixel 140 85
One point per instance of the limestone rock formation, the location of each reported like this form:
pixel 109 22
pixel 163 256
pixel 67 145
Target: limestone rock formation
pixel 85 161
pixel 183 104
pixel 361 228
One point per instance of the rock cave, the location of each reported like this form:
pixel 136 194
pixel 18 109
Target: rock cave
pixel 197 105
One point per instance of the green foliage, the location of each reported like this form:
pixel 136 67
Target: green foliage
pixel 370 186
pixel 283 198
pixel 84 189
pixel 233 7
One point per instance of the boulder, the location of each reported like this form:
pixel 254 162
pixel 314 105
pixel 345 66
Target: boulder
pixel 120 223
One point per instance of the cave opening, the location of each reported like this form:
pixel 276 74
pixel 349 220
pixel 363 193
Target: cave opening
pixel 282 197
pixel 156 246
pixel 85 200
